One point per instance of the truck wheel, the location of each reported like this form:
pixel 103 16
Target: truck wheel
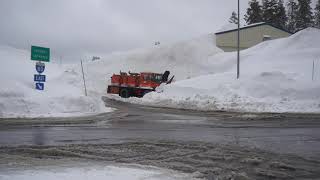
pixel 124 93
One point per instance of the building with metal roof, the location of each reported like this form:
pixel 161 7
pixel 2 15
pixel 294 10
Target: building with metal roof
pixel 250 35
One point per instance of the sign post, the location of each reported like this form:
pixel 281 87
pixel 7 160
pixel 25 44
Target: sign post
pixel 40 54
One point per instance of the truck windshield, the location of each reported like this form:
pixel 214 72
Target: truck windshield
pixel 157 78
pixel 153 77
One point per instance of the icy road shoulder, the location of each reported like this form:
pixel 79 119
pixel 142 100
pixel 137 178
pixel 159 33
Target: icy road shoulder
pixel 94 172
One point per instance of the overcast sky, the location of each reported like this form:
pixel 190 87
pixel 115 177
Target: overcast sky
pixel 74 28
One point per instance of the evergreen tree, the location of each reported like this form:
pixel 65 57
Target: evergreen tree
pixel 317 15
pixel 234 18
pixel 292 11
pixel 274 13
pixel 254 13
pixel 304 15
pixel 269 10
pixel 281 15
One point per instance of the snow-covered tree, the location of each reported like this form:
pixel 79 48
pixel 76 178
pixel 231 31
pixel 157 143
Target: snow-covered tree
pixel 274 12
pixel 254 12
pixel 269 10
pixel 317 15
pixel 234 18
pixel 281 15
pixel 292 7
pixel 304 15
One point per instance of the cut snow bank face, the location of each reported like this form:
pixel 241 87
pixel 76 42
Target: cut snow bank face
pixel 184 60
pixel 95 173
pixel 275 76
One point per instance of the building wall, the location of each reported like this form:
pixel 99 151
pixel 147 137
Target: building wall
pixel 248 37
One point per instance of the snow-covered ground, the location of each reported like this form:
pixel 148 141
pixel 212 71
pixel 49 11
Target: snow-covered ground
pixel 63 94
pixel 94 172
pixel 275 77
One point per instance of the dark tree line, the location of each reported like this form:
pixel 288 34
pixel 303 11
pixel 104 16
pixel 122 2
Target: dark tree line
pixel 317 15
pixel 293 16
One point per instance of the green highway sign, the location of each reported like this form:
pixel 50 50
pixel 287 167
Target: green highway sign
pixel 40 53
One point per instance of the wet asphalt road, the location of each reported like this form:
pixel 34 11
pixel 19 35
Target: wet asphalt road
pixel 278 133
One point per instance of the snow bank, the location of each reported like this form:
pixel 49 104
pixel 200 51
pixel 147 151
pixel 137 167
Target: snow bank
pixel 96 173
pixel 275 77
pixel 185 60
pixel 63 94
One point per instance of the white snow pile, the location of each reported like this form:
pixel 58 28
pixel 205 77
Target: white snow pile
pixel 276 76
pixel 96 173
pixel 185 60
pixel 63 94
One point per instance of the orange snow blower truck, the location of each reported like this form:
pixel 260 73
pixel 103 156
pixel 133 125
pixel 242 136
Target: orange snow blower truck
pixel 137 84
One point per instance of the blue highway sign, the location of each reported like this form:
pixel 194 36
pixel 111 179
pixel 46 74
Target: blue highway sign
pixel 40 67
pixel 39 78
pixel 40 86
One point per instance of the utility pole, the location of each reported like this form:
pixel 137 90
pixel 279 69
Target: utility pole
pixel 313 71
pixel 238 53
pixel 84 81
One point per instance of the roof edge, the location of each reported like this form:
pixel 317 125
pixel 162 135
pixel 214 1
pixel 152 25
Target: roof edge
pixel 247 27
